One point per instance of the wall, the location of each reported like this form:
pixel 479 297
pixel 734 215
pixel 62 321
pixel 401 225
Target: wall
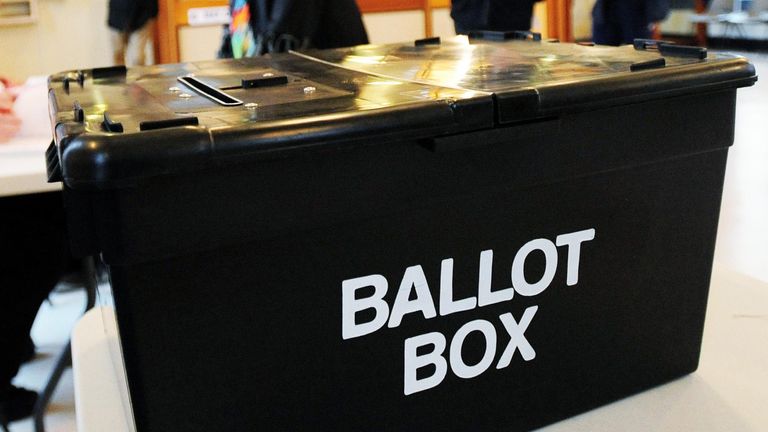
pixel 388 27
pixel 68 34
pixel 582 19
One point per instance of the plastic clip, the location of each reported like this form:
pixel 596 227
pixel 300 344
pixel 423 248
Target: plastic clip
pixel 109 72
pixel 646 44
pixel 53 167
pixel 683 51
pixel 264 81
pixel 111 125
pixel 172 122
pixel 650 64
pixel 427 41
pixel 78 112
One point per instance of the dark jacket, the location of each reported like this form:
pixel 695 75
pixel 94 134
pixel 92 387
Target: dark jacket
pixel 130 15
pixel 646 11
pixel 616 22
pixel 282 25
pixel 499 15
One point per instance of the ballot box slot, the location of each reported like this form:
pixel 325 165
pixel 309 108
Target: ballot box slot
pixel 209 92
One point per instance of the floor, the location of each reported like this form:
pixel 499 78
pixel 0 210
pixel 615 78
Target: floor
pixel 742 241
pixel 742 245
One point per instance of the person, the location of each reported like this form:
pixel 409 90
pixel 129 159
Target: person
pixel 617 22
pixel 266 26
pixel 33 254
pixel 497 15
pixel 9 122
pixel 131 24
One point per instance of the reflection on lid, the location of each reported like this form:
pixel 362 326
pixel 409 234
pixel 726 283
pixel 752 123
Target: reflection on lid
pixel 490 66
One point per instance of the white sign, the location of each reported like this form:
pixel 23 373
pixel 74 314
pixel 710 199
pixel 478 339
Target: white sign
pixel 208 16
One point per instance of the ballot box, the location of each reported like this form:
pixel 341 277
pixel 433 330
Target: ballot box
pixel 479 234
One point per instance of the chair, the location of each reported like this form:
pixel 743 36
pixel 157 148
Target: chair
pixel 726 12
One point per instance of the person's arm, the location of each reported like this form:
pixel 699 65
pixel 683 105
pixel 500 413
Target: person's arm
pixel 9 123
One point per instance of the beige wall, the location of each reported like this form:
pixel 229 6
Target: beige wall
pixel 582 19
pixel 68 34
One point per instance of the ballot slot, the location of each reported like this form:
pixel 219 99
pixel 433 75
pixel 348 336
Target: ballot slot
pixel 209 92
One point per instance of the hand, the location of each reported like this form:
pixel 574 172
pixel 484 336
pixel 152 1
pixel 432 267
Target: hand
pixel 9 123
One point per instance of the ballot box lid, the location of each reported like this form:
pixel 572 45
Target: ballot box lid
pixel 532 78
pixel 116 126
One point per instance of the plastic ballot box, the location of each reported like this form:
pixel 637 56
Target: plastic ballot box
pixel 482 234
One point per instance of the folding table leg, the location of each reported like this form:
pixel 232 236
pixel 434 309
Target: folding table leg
pixel 65 358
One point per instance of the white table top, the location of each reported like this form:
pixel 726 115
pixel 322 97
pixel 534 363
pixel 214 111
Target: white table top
pixel 728 393
pixel 22 159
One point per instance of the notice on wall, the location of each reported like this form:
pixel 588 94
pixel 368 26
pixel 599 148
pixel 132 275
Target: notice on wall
pixel 208 16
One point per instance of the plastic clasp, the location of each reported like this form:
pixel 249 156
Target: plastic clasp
pixel 110 125
pixel 264 81
pixel 53 166
pixel 427 41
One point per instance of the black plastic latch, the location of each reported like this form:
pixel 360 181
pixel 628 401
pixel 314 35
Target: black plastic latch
pixel 80 78
pixel 644 44
pixel 683 51
pixel 109 72
pixel 265 81
pixel 167 123
pixel 53 167
pixel 650 64
pixel 504 35
pixel 111 125
pixel 78 112
pixel 427 41
pixel 65 84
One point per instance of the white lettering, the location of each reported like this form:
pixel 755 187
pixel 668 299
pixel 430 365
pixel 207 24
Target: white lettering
pixel 413 278
pixel 447 304
pixel 350 306
pixel 521 285
pixel 414 362
pixel 485 296
pixel 459 367
pixel 517 337
pixel 574 240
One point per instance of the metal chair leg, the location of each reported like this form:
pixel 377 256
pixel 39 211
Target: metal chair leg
pixel 65 358
pixel 63 362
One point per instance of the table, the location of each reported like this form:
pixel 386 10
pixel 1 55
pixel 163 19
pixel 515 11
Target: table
pixel 22 160
pixel 727 393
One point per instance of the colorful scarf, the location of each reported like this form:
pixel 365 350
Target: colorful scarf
pixel 243 42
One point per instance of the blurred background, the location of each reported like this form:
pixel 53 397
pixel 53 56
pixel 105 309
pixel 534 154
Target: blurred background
pixel 38 37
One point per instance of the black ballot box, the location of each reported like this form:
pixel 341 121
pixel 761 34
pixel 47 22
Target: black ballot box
pixel 475 235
